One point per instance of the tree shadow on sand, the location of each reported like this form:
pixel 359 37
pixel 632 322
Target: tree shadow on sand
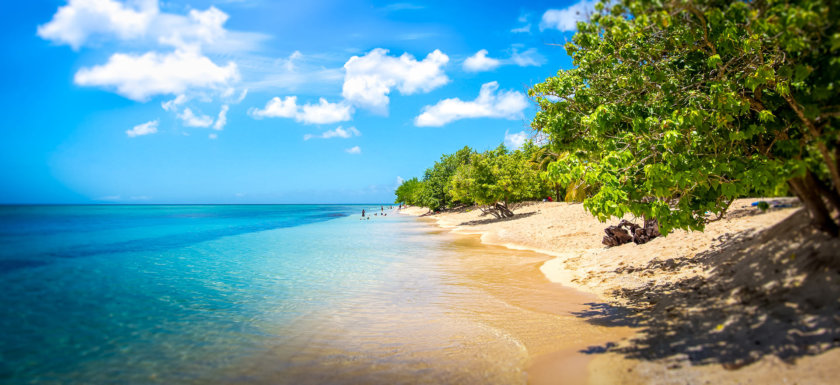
pixel 772 292
pixel 495 220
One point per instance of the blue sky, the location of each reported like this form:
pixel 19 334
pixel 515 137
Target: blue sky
pixel 256 101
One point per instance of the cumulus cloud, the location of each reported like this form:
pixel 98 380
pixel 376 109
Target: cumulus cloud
pixel 370 78
pixel 322 113
pixel 566 19
pixel 143 129
pixel 354 150
pixel 480 62
pixel 277 108
pixel 190 119
pixel 515 140
pixel 140 77
pixel 140 20
pixel 339 132
pixel 173 62
pixel 221 121
pixel 200 27
pixel 74 23
pixel 488 104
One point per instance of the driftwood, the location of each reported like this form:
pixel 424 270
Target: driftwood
pixel 626 231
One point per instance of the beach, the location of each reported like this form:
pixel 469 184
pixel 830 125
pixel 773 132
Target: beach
pixel 752 299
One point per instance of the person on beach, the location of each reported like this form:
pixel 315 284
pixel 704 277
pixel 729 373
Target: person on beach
pixel 363 213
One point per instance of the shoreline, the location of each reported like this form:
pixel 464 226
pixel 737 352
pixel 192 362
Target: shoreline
pixel 626 278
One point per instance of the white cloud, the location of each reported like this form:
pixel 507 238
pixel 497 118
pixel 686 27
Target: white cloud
pixel 172 105
pixel 76 22
pixel 488 104
pixel 143 129
pixel 480 62
pixel 354 150
pixel 141 20
pixel 515 140
pixel 370 78
pixel 213 136
pixel 192 120
pixel 322 113
pixel 566 19
pixel 199 28
pixel 221 121
pixel 277 108
pixel 338 132
pixel 528 58
pixel 140 77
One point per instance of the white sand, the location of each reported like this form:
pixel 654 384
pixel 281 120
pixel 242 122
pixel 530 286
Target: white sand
pixel 700 282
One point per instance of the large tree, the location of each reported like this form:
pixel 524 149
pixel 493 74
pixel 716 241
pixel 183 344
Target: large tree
pixel 675 108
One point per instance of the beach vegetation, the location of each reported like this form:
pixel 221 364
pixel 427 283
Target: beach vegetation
pixel 676 108
pixel 496 178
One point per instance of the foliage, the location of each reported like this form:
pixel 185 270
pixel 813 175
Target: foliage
pixel 409 192
pixel 493 179
pixel 496 178
pixel 436 190
pixel 676 108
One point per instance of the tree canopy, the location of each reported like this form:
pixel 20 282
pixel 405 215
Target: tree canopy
pixel 675 108
pixel 493 179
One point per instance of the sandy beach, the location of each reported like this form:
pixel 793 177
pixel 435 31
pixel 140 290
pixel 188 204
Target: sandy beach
pixel 752 299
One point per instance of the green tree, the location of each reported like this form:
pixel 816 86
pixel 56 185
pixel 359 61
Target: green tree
pixel 495 179
pixel 436 193
pixel 676 108
pixel 409 192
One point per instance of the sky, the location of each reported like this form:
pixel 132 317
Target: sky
pixel 258 101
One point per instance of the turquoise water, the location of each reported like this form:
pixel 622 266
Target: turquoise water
pixel 236 294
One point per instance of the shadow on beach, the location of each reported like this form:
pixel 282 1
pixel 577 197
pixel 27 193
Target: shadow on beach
pixel 771 292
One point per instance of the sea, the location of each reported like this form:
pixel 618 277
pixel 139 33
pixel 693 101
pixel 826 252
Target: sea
pixel 258 294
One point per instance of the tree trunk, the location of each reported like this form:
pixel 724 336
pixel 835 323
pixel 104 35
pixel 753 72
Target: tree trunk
pixel 828 193
pixel 806 190
pixel 832 164
pixel 504 210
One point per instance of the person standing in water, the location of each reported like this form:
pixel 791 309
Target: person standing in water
pixel 363 213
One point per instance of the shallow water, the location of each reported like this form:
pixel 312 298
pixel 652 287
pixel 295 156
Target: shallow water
pixel 268 294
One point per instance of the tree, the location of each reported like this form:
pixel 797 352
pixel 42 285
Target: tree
pixel 676 108
pixel 409 192
pixel 436 180
pixel 495 179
